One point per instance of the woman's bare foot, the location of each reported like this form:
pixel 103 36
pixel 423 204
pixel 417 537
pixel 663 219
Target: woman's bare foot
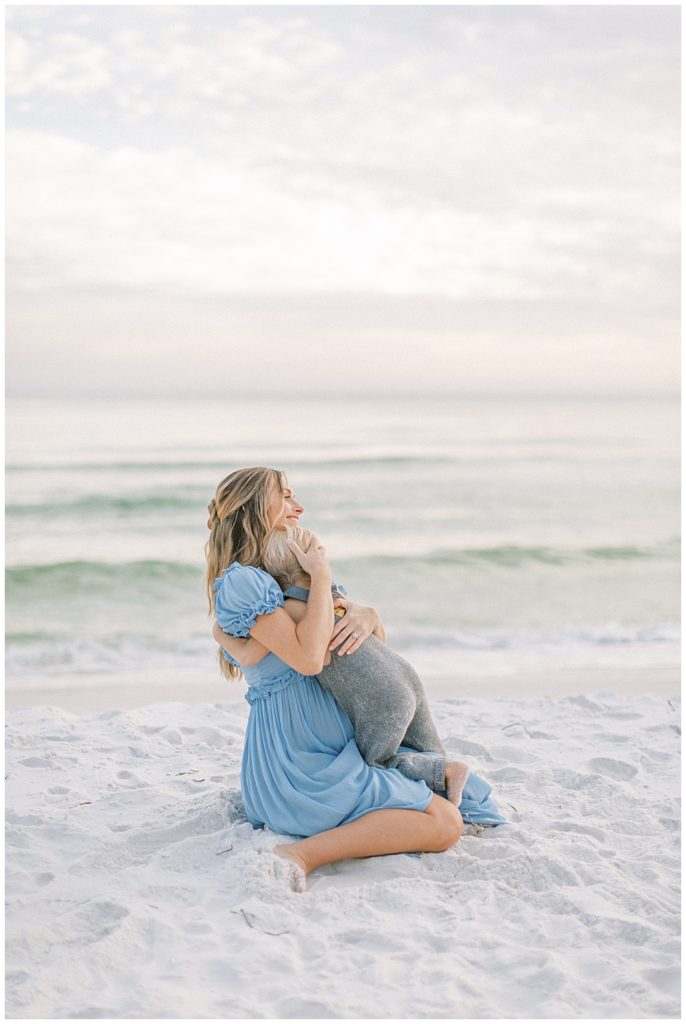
pixel 456 773
pixel 296 864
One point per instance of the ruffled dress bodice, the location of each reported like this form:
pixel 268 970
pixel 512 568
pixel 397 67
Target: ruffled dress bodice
pixel 241 595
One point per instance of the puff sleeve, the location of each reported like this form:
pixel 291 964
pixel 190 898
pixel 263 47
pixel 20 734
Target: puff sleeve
pixel 243 593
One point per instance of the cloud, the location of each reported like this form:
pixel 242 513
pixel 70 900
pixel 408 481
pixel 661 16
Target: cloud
pixel 452 158
pixel 128 218
pixel 74 66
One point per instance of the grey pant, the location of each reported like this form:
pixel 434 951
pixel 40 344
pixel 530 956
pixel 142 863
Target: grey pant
pixel 384 698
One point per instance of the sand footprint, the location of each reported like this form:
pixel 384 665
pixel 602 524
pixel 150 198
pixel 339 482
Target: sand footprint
pixel 512 754
pixel 609 766
pixel 655 755
pixel 586 830
pixel 21 883
pixel 466 747
pixel 667 979
pixel 130 779
pixel 509 774
pixel 97 920
pixel 36 762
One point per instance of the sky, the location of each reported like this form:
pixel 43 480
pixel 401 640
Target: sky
pixel 342 200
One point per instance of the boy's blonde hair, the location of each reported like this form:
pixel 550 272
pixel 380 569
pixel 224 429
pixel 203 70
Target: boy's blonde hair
pixel 278 559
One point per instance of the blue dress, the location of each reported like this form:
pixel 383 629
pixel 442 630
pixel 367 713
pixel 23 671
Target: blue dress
pixel 301 772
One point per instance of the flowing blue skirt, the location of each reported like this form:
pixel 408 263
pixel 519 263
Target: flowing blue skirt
pixel 302 772
pixel 477 806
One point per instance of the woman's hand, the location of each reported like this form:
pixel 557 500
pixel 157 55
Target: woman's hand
pixel 356 625
pixel 313 560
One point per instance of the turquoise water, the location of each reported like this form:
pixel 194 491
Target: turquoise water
pixel 491 535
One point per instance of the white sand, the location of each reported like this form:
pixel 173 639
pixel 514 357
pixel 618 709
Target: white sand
pixel 136 891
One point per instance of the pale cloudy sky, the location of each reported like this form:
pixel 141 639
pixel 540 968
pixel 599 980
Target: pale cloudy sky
pixel 343 199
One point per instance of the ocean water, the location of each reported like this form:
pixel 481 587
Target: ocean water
pixel 493 535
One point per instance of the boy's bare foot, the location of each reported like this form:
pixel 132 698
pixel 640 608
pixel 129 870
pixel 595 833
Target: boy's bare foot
pixel 456 773
pixel 297 867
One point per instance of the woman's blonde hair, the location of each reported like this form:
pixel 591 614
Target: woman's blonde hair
pixel 278 559
pixel 239 524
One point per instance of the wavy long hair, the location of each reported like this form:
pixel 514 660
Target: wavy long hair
pixel 239 524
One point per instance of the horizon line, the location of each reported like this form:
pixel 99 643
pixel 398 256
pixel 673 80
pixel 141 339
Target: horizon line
pixel 384 395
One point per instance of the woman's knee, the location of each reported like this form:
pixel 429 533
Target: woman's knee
pixel 449 825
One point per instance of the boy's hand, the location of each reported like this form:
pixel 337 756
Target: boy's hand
pixel 313 560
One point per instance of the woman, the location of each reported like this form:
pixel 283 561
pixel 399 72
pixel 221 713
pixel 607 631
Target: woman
pixel 301 768
pixel 379 691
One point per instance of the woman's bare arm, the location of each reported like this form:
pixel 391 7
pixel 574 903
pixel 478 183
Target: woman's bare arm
pixel 245 650
pixel 302 645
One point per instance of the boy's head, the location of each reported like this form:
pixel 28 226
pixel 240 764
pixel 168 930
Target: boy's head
pixel 278 559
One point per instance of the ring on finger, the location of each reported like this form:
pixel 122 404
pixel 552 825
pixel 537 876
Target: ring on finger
pixel 355 636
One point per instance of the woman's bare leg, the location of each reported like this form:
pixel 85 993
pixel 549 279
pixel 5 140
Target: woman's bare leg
pixel 380 832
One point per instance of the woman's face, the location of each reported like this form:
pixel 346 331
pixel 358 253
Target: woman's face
pixel 283 509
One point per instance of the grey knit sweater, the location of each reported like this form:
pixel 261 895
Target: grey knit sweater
pixel 384 698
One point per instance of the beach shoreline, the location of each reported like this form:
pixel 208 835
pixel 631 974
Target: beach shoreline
pixel 93 693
